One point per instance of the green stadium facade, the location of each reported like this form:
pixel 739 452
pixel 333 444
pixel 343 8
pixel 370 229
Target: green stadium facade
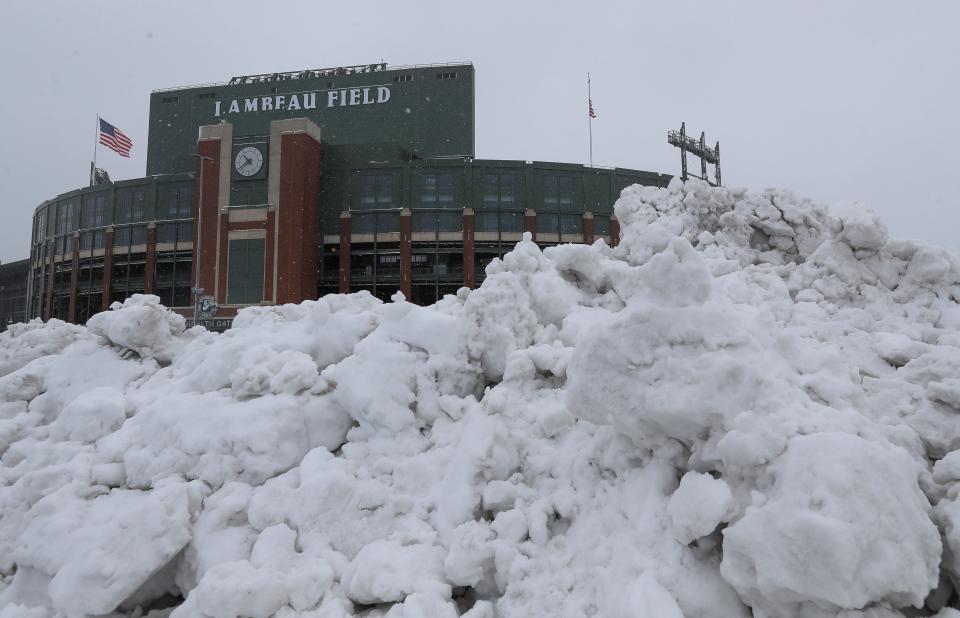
pixel 289 186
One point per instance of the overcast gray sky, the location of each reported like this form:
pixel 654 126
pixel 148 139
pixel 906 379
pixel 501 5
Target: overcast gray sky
pixel 835 100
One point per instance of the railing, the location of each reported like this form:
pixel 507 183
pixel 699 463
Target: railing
pixel 357 69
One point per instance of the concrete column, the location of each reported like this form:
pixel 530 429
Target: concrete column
pixel 107 268
pixel 406 267
pixel 345 232
pixel 74 278
pixel 269 269
pixel 530 222
pixel 223 235
pixel 469 227
pixel 150 262
pixel 588 228
pixel 614 231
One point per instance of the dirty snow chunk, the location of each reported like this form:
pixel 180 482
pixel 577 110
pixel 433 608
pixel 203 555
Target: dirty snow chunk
pixel 387 571
pixel 845 525
pixel 143 325
pixel 90 416
pixel 698 506
pixel 96 553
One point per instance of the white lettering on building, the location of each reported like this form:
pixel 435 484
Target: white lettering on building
pixel 368 95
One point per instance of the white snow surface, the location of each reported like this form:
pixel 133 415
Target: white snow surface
pixel 751 406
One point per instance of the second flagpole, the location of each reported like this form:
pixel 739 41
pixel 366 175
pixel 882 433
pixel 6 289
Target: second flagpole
pixel 93 164
pixel 590 117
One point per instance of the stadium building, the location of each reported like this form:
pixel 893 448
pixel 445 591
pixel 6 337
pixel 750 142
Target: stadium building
pixel 283 187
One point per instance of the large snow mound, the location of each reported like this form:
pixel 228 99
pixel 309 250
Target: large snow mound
pixel 751 406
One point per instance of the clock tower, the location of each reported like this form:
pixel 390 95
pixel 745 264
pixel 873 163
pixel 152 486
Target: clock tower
pixel 258 215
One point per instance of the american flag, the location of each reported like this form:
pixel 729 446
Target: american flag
pixel 114 139
pixel 593 114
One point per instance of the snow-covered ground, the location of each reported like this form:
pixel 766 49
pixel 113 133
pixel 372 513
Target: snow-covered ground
pixel 749 407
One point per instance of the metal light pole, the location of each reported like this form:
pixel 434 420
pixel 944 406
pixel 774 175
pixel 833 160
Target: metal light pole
pixel 197 290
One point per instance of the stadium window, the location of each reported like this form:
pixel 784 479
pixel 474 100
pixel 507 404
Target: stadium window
pixel 177 202
pixel 437 191
pixel 500 191
pixel 130 207
pixel 557 192
pixel 169 99
pixel 91 211
pixel 376 191
pixel 65 217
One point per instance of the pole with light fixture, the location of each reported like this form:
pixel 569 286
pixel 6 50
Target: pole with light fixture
pixel 197 290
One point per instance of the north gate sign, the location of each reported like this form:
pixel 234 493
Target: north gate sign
pixel 345 97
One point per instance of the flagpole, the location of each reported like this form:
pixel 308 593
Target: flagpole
pixel 590 117
pixel 96 138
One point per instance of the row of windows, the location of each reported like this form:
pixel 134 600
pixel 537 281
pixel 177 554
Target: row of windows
pixel 174 202
pixel 500 191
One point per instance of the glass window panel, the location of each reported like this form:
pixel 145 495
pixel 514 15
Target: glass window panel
pixel 486 221
pixel 547 224
pixel 121 236
pixel 601 226
pixel 166 232
pixel 138 235
pixel 450 221
pixel 185 231
pixel 571 224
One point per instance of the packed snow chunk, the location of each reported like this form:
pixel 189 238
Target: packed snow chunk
pixel 387 571
pixel 643 598
pixel 91 415
pixel 275 576
pixel 24 342
pixel 858 226
pixel 143 325
pixel 261 370
pixel 897 349
pixel 843 525
pixel 95 552
pixel 698 506
pixel 677 372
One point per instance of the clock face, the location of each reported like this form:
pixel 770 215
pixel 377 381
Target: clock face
pixel 249 161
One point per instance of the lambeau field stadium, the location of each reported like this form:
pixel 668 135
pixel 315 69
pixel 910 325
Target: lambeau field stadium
pixel 283 187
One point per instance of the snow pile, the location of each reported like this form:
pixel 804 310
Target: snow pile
pixel 749 407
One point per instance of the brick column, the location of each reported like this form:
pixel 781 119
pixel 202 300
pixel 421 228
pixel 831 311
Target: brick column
pixel 345 231
pixel 206 214
pixel 297 199
pixel 530 222
pixel 50 280
pixel 614 232
pixel 406 232
pixel 74 278
pixel 150 263
pixel 107 268
pixel 469 227
pixel 588 228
